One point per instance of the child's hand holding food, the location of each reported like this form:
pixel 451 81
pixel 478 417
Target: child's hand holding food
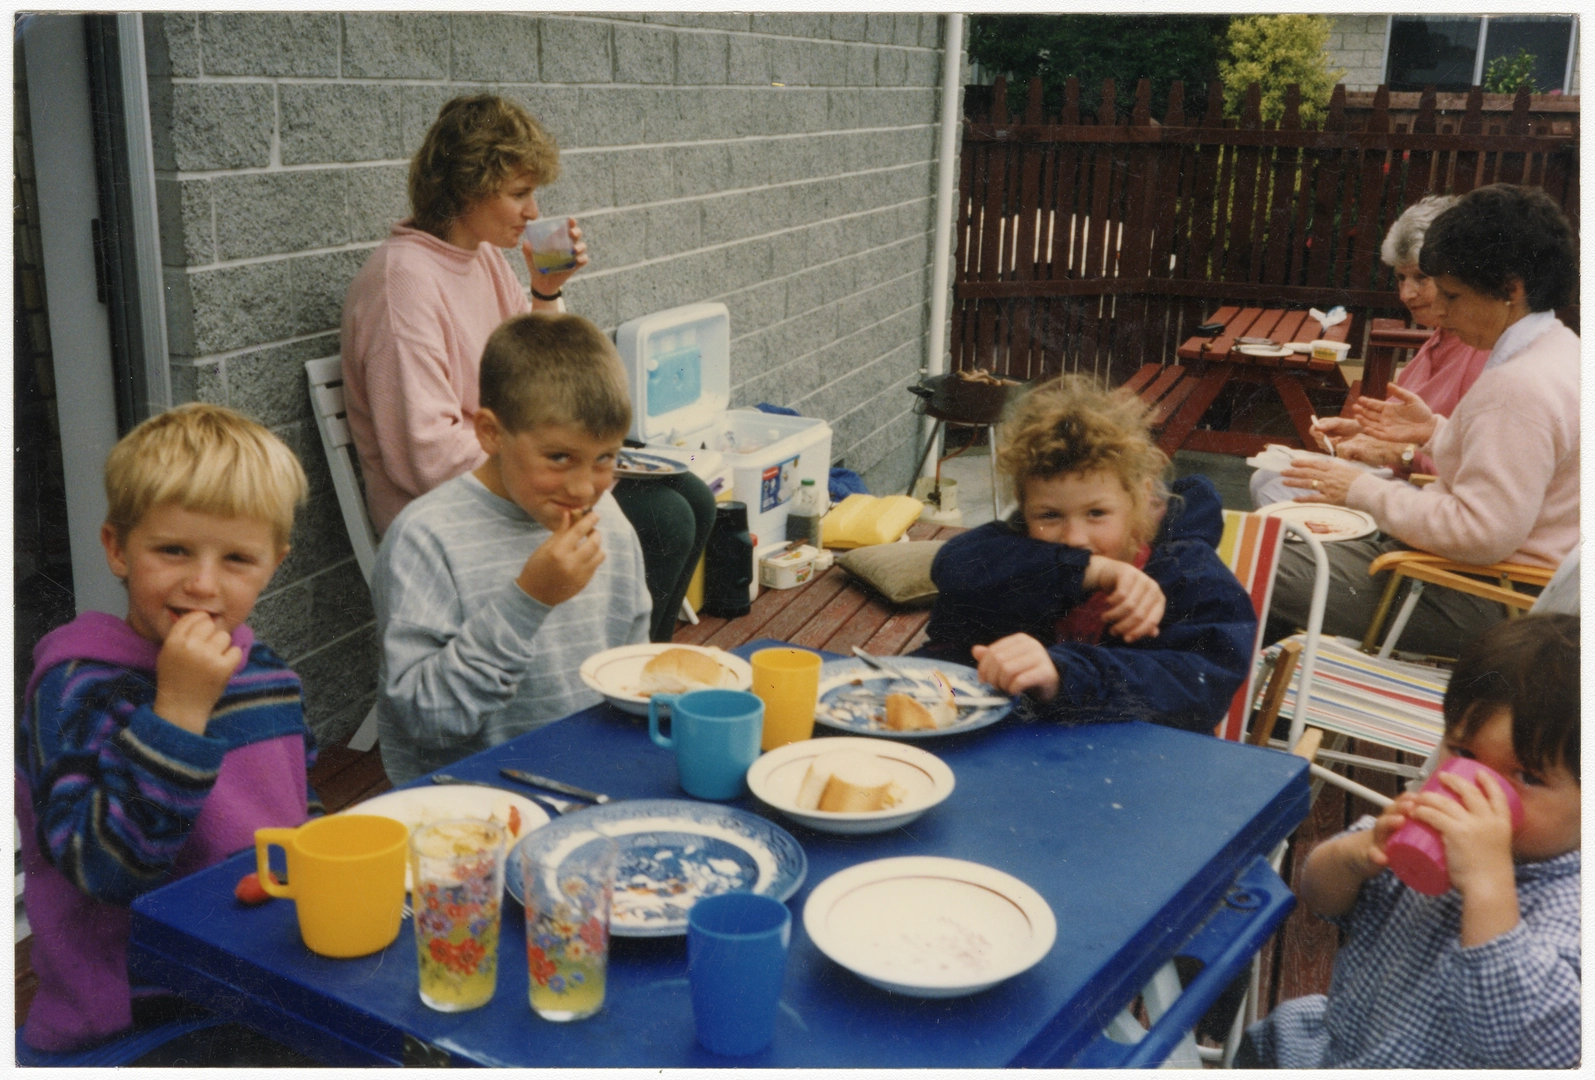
pixel 563 564
pixel 196 660
pixel 1018 664
pixel 1135 601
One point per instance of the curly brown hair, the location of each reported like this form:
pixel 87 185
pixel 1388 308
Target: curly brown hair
pixel 475 146
pixel 1073 424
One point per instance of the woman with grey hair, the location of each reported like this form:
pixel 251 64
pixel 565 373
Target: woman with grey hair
pixel 1441 372
pixel 1506 487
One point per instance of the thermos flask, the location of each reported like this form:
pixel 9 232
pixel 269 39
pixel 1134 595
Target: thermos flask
pixel 728 563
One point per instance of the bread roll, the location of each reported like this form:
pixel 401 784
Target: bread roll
pixel 848 781
pixel 675 671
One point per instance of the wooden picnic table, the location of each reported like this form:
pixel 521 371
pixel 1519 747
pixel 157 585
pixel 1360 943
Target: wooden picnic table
pixel 1182 393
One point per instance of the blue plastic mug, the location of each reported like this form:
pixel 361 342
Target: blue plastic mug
pixel 736 962
pixel 715 734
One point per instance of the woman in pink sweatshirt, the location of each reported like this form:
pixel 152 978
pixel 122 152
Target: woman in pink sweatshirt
pixel 1442 371
pixel 417 315
pixel 1507 458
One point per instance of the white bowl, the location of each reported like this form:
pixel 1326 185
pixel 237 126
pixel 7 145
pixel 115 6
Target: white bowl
pixel 616 673
pixel 929 927
pixel 775 778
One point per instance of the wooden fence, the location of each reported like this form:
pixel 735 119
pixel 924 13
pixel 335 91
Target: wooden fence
pixel 1097 247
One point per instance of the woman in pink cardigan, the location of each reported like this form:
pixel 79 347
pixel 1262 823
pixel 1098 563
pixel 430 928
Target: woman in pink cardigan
pixel 417 315
pixel 1442 371
pixel 1506 459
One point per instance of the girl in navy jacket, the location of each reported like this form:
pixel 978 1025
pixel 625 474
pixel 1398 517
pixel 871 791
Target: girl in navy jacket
pixel 1102 598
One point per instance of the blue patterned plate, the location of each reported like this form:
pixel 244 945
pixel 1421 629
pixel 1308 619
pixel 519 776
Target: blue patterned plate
pixel 672 851
pixel 643 466
pixel 853 696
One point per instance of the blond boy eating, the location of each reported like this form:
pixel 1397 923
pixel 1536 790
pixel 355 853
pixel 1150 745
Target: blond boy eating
pixel 153 746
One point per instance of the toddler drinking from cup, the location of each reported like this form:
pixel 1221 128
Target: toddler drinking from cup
pixel 1486 975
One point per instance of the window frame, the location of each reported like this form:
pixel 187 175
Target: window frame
pixel 1482 46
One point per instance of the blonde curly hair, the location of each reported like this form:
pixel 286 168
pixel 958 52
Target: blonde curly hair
pixel 1073 424
pixel 477 145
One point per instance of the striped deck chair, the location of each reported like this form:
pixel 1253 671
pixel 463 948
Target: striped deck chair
pixel 1386 702
pixel 1250 548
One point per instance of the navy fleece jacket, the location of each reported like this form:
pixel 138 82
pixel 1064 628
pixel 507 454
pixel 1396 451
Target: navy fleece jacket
pixel 995 581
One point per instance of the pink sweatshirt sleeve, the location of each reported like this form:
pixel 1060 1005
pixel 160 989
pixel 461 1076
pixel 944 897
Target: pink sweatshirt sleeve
pixel 422 431
pixel 1484 512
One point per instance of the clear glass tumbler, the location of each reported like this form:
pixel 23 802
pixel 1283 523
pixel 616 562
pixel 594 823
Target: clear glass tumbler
pixel 567 927
pixel 457 870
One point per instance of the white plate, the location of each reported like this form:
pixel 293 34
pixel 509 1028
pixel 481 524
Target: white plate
pixel 1279 457
pixel 444 802
pixel 1264 350
pixel 617 673
pixel 929 927
pixel 1341 522
pixel 775 778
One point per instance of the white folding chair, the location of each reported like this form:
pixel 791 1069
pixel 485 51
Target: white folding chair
pixel 326 399
pixel 1250 548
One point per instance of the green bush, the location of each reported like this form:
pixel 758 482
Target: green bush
pixel 1505 74
pixel 1275 51
pixel 1124 48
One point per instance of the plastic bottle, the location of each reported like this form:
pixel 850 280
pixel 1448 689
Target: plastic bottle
pixel 728 563
pixel 803 517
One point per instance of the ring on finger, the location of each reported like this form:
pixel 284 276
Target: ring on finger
pixel 1318 485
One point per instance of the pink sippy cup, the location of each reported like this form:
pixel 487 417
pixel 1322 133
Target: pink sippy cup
pixel 1417 854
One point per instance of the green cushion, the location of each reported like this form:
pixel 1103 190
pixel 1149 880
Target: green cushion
pixel 899 572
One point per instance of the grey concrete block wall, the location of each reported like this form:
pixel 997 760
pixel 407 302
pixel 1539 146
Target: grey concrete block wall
pixel 782 163
pixel 1357 45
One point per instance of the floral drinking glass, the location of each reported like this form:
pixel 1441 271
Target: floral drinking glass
pixel 457 870
pixel 568 895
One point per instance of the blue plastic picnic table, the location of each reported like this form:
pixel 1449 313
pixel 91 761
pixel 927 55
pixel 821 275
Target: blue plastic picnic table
pixel 1147 842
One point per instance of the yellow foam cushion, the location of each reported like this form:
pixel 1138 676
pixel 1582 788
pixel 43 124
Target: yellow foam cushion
pixel 862 520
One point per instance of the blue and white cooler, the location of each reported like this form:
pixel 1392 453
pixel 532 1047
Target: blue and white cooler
pixel 679 363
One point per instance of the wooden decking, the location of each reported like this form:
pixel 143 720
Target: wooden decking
pixel 834 613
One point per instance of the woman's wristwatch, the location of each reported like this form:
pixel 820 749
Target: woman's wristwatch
pixel 1408 454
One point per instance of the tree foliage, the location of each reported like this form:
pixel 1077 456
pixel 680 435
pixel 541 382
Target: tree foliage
pixel 1275 51
pixel 1124 48
pixel 1505 74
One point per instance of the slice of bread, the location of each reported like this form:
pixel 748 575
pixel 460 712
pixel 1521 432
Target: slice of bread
pixel 848 781
pixel 903 713
pixel 675 671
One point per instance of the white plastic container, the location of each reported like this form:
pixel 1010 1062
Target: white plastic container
pixel 679 364
pixel 1334 351
pixel 788 568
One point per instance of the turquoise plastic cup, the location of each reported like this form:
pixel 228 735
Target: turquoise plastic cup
pixel 715 734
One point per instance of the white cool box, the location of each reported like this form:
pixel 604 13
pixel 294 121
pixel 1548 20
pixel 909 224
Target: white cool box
pixel 679 364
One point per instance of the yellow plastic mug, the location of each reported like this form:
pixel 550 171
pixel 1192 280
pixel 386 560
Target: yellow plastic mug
pixel 788 682
pixel 345 877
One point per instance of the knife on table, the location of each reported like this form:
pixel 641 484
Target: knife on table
pixel 553 785
pixel 547 802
